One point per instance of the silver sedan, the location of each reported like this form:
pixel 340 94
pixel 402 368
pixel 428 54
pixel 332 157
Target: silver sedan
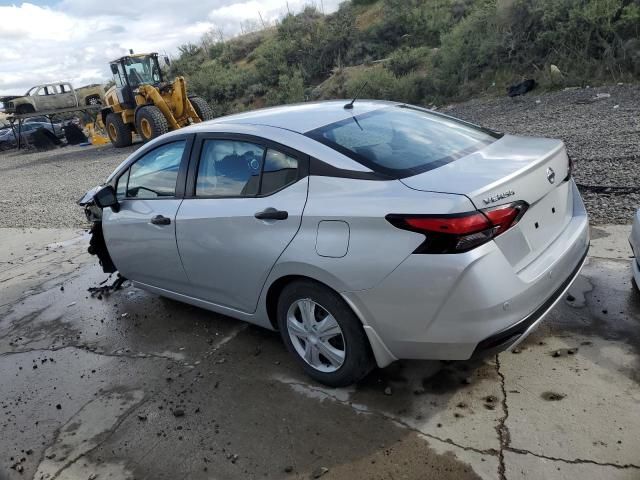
pixel 364 233
pixel 634 240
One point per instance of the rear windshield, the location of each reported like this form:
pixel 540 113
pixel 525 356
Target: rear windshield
pixel 401 141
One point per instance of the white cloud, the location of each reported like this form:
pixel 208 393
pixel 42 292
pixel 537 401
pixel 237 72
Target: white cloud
pixel 73 40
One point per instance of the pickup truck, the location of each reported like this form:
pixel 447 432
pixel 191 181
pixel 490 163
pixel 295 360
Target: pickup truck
pixel 52 96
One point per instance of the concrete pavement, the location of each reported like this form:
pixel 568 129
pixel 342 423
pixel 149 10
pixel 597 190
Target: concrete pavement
pixel 130 385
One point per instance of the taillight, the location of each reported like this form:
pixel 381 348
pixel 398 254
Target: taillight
pixel 462 232
pixel 570 168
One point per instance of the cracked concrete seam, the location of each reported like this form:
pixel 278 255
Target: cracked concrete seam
pixel 504 436
pixel 501 428
pixel 397 421
pixel 84 349
pixel 110 433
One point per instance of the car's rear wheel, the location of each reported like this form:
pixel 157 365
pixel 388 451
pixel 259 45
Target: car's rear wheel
pixel 93 100
pixel 323 334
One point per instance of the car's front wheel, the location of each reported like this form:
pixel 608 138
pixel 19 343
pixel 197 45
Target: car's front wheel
pixel 323 333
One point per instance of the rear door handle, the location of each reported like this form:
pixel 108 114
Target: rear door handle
pixel 160 220
pixel 272 214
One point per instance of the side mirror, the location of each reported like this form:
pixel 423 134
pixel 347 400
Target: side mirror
pixel 106 197
pixel 114 68
pixel 167 61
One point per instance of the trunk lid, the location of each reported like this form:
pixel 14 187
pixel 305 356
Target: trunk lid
pixel 511 169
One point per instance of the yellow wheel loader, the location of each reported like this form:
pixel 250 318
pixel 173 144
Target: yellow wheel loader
pixel 142 102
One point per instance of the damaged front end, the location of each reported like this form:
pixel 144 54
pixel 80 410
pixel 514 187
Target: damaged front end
pixel 97 244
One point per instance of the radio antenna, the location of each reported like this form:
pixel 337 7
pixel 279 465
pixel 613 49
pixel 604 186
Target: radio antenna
pixel 349 105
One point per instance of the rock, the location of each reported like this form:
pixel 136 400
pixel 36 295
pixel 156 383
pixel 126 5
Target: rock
pixel 142 417
pixel 555 71
pixel 178 412
pixel 288 469
pixel 570 298
pixel 491 399
pixel 93 476
pixel 319 472
pixel 388 391
pixel 516 350
pixel 59 407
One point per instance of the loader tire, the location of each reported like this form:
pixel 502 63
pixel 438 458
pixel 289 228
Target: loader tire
pixel 202 108
pixel 150 123
pixel 118 131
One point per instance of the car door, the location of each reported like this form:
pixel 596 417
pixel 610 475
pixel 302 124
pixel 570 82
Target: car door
pixel 141 235
pixel 40 98
pixel 244 203
pixel 66 97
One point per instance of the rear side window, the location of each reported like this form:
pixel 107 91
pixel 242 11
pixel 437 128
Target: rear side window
pixel 280 170
pixel 154 175
pixel 402 141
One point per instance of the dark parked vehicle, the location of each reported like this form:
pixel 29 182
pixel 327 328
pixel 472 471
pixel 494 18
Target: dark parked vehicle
pixel 8 139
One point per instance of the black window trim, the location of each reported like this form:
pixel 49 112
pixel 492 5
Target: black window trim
pixel 190 190
pixel 396 173
pixel 182 170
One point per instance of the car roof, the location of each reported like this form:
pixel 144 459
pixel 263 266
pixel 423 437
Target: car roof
pixel 301 117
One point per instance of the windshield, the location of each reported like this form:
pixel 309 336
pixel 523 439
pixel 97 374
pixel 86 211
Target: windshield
pixel 401 141
pixel 142 70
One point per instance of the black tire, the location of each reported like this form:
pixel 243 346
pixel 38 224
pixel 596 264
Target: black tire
pixel 25 108
pixel 202 108
pixel 118 131
pixel 150 122
pixel 93 100
pixel 358 359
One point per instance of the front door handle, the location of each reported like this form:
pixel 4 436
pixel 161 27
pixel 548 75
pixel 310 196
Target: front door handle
pixel 160 220
pixel 272 214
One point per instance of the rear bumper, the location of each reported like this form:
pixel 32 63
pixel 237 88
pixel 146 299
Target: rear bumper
pixel 453 307
pixel 515 334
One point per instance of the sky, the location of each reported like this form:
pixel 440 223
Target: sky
pixel 73 40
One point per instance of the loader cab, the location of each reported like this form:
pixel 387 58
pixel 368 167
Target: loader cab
pixel 130 72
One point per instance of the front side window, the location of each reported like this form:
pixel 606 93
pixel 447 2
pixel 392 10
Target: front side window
pixel 121 186
pixel 154 175
pixel 229 168
pixel 402 141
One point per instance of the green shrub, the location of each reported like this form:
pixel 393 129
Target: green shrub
pixel 406 60
pixel 290 89
pixel 432 50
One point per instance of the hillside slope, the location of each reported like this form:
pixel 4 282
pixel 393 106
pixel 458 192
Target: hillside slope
pixel 418 51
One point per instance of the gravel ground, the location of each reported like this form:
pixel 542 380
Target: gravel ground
pixel 41 189
pixel 602 136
